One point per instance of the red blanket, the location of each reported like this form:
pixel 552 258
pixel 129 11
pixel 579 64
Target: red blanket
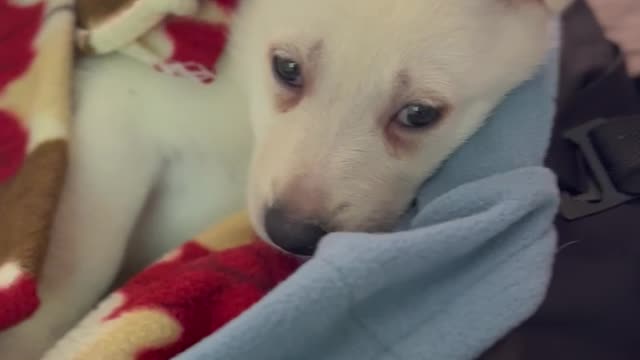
pixel 185 296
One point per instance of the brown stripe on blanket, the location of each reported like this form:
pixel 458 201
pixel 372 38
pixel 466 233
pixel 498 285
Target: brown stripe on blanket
pixel 28 203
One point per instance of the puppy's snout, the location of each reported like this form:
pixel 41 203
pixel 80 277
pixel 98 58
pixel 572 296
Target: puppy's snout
pixel 292 233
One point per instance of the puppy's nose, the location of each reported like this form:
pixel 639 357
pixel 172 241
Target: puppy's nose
pixel 291 234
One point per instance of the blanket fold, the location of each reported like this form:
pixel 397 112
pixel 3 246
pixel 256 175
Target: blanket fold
pixel 447 290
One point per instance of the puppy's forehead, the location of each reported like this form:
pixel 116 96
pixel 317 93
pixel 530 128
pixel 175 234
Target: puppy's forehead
pixel 378 16
pixel 383 29
pixel 440 43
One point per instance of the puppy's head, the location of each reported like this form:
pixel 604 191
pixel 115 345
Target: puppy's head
pixel 355 103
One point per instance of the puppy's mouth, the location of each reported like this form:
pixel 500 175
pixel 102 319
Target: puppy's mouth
pixel 301 236
pixel 297 224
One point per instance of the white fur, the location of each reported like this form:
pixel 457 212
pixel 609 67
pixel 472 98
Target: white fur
pixel 155 159
pixel 9 275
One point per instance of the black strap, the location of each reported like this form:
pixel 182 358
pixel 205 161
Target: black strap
pixel 589 103
pixel 595 149
pixel 603 145
pixel 617 142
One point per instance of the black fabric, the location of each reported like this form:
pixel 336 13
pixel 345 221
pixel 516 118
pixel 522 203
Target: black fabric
pixel 593 81
pixel 617 142
pixel 592 309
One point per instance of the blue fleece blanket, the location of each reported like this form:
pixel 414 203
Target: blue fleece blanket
pixel 472 262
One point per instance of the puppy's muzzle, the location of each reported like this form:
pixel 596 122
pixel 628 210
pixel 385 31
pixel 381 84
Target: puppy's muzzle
pixel 292 233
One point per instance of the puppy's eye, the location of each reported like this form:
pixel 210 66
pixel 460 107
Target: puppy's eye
pixel 417 116
pixel 287 71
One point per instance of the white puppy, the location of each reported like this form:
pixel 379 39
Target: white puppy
pixel 353 104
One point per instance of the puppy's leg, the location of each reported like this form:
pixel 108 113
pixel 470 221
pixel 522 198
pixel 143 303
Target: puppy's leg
pixel 111 173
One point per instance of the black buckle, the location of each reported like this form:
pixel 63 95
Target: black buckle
pixel 602 194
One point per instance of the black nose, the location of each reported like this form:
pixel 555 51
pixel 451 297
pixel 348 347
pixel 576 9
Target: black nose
pixel 290 233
